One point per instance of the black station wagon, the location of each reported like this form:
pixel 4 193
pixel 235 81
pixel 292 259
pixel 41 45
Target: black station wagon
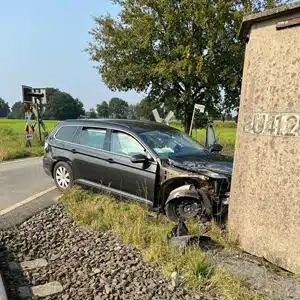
pixel 145 161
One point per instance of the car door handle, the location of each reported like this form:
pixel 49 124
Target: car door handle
pixel 73 150
pixel 110 160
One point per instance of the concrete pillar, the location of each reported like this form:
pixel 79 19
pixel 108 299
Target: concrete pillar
pixel 264 211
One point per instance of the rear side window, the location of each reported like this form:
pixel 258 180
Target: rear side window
pixel 66 133
pixel 92 137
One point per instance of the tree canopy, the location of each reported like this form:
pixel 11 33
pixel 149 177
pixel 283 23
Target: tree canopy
pixel 92 114
pixel 102 110
pixel 17 110
pixel 62 105
pixel 178 52
pixel 118 108
pixel 145 107
pixel 4 108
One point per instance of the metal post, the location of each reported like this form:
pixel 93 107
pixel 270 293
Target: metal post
pixel 38 120
pixel 191 127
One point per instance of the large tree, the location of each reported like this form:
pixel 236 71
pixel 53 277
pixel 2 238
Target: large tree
pixel 179 52
pixel 17 110
pixel 102 110
pixel 132 112
pixel 118 108
pixel 145 107
pixel 4 108
pixel 92 114
pixel 62 105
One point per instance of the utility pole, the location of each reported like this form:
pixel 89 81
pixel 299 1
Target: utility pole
pixel 38 109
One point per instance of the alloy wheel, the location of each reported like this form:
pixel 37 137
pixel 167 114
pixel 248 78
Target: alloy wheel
pixel 62 177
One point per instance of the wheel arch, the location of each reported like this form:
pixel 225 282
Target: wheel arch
pixel 60 159
pixel 173 183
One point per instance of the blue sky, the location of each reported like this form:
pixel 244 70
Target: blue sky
pixel 42 45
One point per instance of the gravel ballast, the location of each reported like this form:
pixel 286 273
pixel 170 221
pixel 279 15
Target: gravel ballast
pixel 89 265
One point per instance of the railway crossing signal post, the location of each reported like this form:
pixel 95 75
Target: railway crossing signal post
pixel 34 100
pixel 163 119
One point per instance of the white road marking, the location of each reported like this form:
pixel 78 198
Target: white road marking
pixel 38 195
pixel 18 160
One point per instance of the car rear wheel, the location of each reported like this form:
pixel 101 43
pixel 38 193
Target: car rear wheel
pixel 63 176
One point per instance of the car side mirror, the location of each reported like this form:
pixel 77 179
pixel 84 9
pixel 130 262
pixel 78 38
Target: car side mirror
pixel 216 148
pixel 139 158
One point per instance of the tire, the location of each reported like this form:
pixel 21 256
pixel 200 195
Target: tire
pixel 173 207
pixel 63 176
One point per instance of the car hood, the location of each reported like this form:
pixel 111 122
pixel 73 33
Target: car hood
pixel 206 163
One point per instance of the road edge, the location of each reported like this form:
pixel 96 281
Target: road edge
pixel 17 160
pixel 26 201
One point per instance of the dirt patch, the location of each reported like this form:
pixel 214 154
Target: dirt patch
pixel 278 285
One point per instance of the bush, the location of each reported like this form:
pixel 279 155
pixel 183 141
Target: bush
pixel 175 123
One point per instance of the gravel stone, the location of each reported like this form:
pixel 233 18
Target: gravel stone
pixel 87 265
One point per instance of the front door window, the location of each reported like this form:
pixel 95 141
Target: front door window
pixel 125 144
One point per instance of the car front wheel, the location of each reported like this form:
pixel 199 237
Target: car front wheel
pixel 63 176
pixel 183 209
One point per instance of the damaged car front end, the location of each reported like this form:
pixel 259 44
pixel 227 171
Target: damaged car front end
pixel 194 182
pixel 196 186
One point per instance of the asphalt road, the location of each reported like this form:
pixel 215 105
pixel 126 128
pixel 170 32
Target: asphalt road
pixel 22 179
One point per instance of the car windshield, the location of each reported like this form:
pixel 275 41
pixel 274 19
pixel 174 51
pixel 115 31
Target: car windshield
pixel 171 143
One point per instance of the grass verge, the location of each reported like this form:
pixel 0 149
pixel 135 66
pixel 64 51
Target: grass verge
pixel 12 140
pixel 12 145
pixel 138 227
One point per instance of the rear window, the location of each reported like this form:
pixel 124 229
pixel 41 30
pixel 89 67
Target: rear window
pixel 66 133
pixel 92 137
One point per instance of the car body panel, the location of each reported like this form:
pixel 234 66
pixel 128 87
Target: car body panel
pixel 150 182
pixel 134 178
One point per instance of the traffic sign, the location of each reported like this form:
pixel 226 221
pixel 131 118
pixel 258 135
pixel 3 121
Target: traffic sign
pixel 29 136
pixel 200 107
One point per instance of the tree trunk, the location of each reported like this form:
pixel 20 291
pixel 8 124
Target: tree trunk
pixel 189 107
pixel 187 124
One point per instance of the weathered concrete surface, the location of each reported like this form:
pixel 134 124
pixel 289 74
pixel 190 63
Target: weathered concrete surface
pixel 43 290
pixel 28 265
pixel 268 14
pixel 33 264
pixel 47 289
pixel 264 211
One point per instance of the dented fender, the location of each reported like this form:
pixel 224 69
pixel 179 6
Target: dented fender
pixel 189 191
pixel 185 191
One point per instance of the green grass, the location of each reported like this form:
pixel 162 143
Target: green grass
pixel 12 140
pixel 226 134
pixel 137 226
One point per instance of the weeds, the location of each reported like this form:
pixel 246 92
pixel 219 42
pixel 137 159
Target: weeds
pixel 12 145
pixel 137 226
pixel 12 140
pixel 233 287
